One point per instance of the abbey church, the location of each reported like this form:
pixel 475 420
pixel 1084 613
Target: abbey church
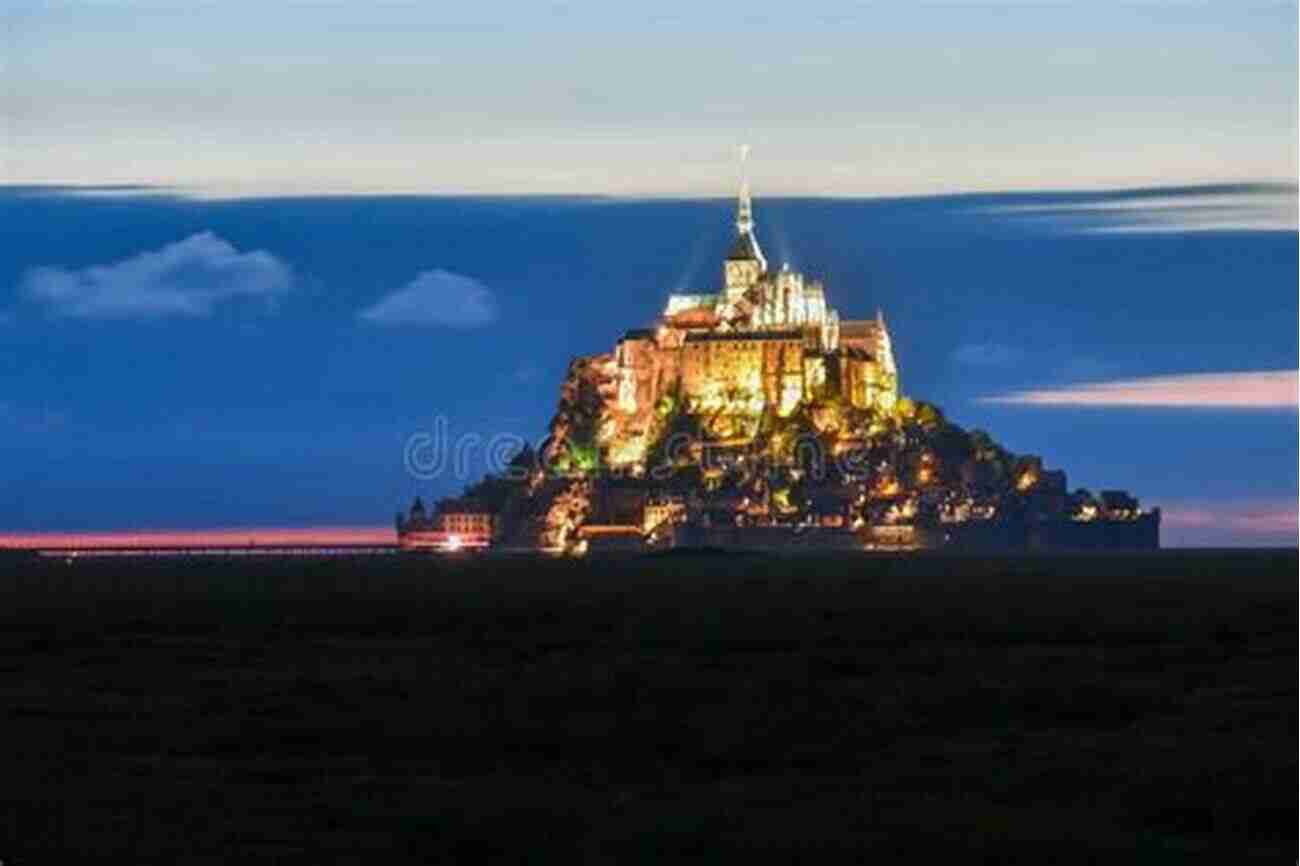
pixel 767 341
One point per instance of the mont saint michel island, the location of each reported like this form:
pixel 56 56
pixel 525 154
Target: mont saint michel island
pixel 754 417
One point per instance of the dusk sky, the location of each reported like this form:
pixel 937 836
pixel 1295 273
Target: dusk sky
pixel 507 98
pixel 249 251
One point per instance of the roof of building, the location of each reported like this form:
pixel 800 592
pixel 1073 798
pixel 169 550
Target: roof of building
pixel 1118 499
pixel 744 249
pixel 639 334
pixel 859 329
pixel 462 506
pixel 700 317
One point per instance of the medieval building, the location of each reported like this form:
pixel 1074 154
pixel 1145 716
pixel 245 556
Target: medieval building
pixel 779 402
pixel 768 340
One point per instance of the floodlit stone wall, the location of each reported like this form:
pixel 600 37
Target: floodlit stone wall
pixel 745 372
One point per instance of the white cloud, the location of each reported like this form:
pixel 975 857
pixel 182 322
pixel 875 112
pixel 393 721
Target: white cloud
pixel 986 355
pixel 185 278
pixel 436 297
pixel 1261 389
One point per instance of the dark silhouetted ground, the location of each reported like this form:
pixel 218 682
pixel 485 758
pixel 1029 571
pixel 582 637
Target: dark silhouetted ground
pixel 1105 708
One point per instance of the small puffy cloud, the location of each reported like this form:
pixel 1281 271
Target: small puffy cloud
pixel 986 355
pixel 1261 389
pixel 186 278
pixel 436 297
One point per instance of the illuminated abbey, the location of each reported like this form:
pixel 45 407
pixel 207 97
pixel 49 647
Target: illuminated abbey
pixel 754 417
pixel 767 341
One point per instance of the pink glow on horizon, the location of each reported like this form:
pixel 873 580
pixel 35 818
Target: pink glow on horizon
pixel 1229 523
pixel 259 536
pixel 1261 518
pixel 1260 389
pixel 1183 523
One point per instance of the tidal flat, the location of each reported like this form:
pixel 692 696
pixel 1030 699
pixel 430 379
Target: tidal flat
pixel 674 708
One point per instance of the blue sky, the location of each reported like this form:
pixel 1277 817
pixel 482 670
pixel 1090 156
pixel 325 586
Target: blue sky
pixel 1043 200
pixel 171 361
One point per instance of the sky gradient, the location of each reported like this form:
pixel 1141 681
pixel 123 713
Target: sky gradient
pixel 250 250
pixel 839 98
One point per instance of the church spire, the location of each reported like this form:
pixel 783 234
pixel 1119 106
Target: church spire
pixel 746 247
pixel 744 207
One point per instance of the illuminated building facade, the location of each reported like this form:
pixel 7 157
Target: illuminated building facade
pixel 456 524
pixel 767 340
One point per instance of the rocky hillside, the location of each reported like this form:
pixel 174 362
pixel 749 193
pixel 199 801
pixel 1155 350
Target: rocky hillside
pixel 907 464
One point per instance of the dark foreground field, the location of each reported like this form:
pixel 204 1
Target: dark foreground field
pixel 1029 710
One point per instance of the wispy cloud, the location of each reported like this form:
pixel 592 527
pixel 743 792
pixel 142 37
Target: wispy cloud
pixel 186 278
pixel 1229 522
pixel 1262 389
pixel 1243 207
pixel 436 297
pixel 1261 517
pixel 986 355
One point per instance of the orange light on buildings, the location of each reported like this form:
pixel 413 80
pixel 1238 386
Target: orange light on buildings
pixel 890 487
